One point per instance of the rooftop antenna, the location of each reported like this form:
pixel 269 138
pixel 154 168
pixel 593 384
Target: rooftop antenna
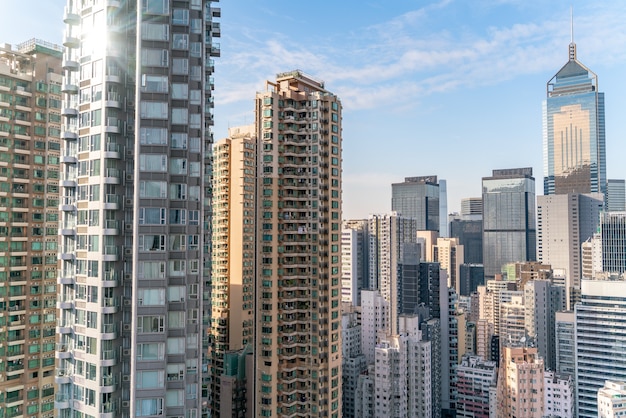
pixel 572 45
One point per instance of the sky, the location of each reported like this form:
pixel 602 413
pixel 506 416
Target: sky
pixel 451 88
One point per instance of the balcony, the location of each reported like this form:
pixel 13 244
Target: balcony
pixel 110 253
pixel 62 376
pixel 66 277
pixel 113 99
pixel 69 87
pixel 110 278
pixel 68 159
pixel 63 327
pixel 109 332
pixel 113 150
pixel 62 401
pixel 111 227
pixel 108 384
pixel 112 201
pixel 68 204
pixel 62 351
pixel 70 65
pixel 109 305
pixel 70 16
pixel 113 125
pixel 70 40
pixel 69 134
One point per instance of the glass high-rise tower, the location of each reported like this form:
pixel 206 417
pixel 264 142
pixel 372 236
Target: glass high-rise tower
pixel 135 221
pixel 573 131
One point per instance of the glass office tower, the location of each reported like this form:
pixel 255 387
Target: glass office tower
pixel 509 232
pixel 135 219
pixel 418 198
pixel 573 131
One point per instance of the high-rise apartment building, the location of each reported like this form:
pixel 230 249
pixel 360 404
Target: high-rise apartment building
pixel 564 222
pixel 233 254
pixel 509 233
pixel 520 383
pixel 558 390
pixel 354 362
pixel 615 196
pixel 30 150
pixel 418 198
pixel 392 243
pixel 600 340
pixel 613 235
pixel 448 252
pixel 354 260
pixel 298 294
pixel 574 154
pixel 135 224
pixel 611 399
pixel 474 378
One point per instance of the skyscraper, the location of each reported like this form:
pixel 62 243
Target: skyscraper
pixel 418 198
pixel 233 254
pixel 30 149
pixel 509 233
pixel 574 155
pixel 600 340
pixel 135 224
pixel 613 233
pixel 615 196
pixel 298 294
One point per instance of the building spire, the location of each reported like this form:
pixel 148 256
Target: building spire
pixel 572 45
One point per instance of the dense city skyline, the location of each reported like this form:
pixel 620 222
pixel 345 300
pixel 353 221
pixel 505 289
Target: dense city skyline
pixel 409 70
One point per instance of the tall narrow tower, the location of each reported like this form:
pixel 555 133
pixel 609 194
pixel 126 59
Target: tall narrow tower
pixel 574 155
pixel 298 320
pixel 135 221
pixel 30 149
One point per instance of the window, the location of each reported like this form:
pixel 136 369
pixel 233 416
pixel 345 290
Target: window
pixel 178 191
pixel 152 243
pixel 153 136
pixel 150 324
pixel 154 83
pixel 174 397
pixel 150 379
pixel 155 57
pixel 152 216
pixel 151 297
pixel 180 17
pixel 151 270
pixel 154 110
pixel 177 268
pixel 180 66
pixel 178 216
pixel 176 345
pixel 177 242
pixel 150 351
pixel 176 293
pixel 180 116
pixel 180 41
pixel 178 166
pixel 153 189
pixel 155 32
pixel 153 162
pixel 180 91
pixel 147 407
pixel 175 319
pixel 179 141
pixel 194 217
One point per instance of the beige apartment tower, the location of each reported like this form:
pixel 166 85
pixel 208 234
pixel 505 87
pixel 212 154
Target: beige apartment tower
pixel 298 292
pixel 233 255
pixel 30 148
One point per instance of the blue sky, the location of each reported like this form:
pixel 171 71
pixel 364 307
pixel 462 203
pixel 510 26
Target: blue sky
pixel 452 88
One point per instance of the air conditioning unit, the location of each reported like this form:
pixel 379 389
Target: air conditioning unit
pixel 126 327
pixel 126 352
pixel 127 277
pixel 129 152
pixel 129 177
pixel 128 227
pixel 126 404
pixel 128 251
pixel 127 302
pixel 129 202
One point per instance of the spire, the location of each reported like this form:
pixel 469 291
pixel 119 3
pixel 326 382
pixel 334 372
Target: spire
pixel 572 45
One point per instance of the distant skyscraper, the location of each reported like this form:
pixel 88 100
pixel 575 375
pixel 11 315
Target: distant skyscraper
pixel 475 377
pixel 564 323
pixel 472 208
pixel 470 236
pixel 470 277
pixel 613 230
pixel 508 219
pixel 600 340
pixel 418 198
pixel 31 83
pixel 298 287
pixel 574 155
pixel 615 196
pixel 136 225
pixel 444 227
pixel 449 254
pixel 390 236
pixel 564 222
pixel 518 364
pixel 354 260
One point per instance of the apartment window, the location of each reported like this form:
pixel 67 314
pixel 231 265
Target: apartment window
pixel 180 41
pixel 178 268
pixel 151 297
pixel 154 83
pixel 150 351
pixel 150 324
pixel 180 116
pixel 176 345
pixel 195 120
pixel 194 217
pixel 153 189
pixel 155 32
pixel 194 242
pixel 178 166
pixel 176 293
pixel 179 140
pixel 180 66
pixel 180 17
pixel 178 216
pixel 150 270
pixel 177 242
pixel 155 7
pixel 155 57
pixel 180 91
pixel 194 169
pixel 154 110
pixel 147 407
pixel 153 136
pixel 150 379
pixel 153 162
pixel 152 216
pixel 194 193
pixel 175 319
pixel 152 243
pixel 178 191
